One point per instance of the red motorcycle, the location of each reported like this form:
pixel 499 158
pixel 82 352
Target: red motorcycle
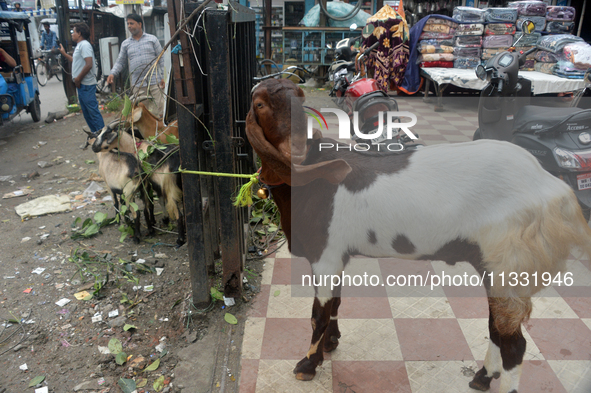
pixel 365 103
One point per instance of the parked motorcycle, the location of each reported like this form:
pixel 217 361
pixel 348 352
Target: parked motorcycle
pixel 558 137
pixel 362 96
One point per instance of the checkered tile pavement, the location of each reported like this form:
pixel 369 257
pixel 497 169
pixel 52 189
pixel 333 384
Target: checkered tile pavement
pixel 418 342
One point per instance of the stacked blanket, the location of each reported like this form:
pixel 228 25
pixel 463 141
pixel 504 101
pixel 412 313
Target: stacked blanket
pixel 529 8
pixel 469 15
pixel 560 20
pixel 507 15
pixel 499 28
pixel 435 48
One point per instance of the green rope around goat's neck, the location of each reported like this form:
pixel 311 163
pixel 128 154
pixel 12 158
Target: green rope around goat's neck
pixel 244 197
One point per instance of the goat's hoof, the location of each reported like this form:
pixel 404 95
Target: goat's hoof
pixel 481 381
pixel 332 344
pixel 305 370
pixel 136 240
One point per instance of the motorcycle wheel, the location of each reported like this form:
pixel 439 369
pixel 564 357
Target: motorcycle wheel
pixel 41 74
pixel 35 109
pixel 477 135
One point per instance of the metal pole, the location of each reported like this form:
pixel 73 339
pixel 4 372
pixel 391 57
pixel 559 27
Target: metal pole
pixel 581 20
pixel 267 28
pixel 63 23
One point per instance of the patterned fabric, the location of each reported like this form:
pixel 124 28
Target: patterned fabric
pixel 531 56
pixel 578 53
pixel 468 41
pixel 528 65
pixel 500 15
pixel 441 21
pixel 528 40
pixel 470 29
pixel 489 53
pixel 555 43
pixel 428 48
pixel 539 22
pixel 558 27
pixel 466 63
pixel 555 12
pixel 468 15
pixel 446 42
pixel 439 28
pixel 499 28
pixel 543 56
pixel 141 55
pixel 467 52
pixel 436 57
pixel 442 64
pixel 497 41
pixel 427 35
pixel 546 68
pixel 391 57
pixel 567 69
pixel 530 8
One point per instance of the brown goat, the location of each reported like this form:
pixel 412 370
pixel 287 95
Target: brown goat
pixel 487 202
pixel 150 125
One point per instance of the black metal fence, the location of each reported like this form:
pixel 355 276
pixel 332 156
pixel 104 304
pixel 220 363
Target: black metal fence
pixel 213 76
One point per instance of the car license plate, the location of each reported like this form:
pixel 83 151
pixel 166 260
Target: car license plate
pixel 584 181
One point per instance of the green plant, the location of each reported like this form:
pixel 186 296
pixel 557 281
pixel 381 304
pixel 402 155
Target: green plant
pixel 90 227
pixel 115 104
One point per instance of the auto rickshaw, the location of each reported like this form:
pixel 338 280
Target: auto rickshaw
pixel 18 86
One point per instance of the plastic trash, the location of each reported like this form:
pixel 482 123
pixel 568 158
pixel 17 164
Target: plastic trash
pixel 92 189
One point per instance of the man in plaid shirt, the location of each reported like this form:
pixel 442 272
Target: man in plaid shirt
pixel 141 50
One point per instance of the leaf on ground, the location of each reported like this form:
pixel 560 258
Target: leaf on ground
pixel 37 380
pixel 142 382
pixel 231 319
pixel 217 295
pixel 90 162
pixel 128 326
pixel 127 385
pixel 91 230
pixel 99 217
pixel 115 346
pixel 276 293
pixel 153 366
pixel 121 358
pixel 159 384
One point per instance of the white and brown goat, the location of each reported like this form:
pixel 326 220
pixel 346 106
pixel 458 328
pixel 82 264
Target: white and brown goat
pixel 162 180
pixel 489 203
pixel 150 125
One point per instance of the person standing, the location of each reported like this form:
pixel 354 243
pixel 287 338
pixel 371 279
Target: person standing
pixel 141 50
pixel 84 76
pixel 17 7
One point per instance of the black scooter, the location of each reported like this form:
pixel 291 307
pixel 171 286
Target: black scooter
pixel 560 138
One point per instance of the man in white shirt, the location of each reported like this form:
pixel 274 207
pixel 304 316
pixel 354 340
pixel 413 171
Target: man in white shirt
pixel 84 76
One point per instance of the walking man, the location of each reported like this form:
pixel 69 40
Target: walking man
pixel 141 50
pixel 84 76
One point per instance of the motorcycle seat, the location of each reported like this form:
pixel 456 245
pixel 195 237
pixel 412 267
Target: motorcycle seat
pixel 533 118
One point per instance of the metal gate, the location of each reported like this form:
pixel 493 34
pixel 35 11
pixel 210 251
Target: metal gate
pixel 213 76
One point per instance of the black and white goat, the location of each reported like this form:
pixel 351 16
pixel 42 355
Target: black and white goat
pixel 122 174
pixel 162 180
pixel 489 203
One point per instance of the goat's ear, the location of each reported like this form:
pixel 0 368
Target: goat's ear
pixel 112 137
pixel 334 171
pixel 276 167
pixel 136 114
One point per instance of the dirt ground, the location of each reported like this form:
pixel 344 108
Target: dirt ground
pixel 61 342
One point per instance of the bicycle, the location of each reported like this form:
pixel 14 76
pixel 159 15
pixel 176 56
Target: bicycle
pixel 47 69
